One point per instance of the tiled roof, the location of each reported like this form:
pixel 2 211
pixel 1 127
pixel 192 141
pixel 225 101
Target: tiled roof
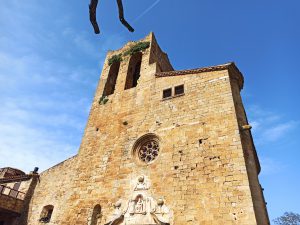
pixel 228 66
pixel 197 70
pixel 16 178
pixel 14 170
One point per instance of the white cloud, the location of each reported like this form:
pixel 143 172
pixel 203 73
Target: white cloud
pixel 255 125
pixel 269 126
pixel 272 131
pixel 277 131
pixel 25 147
pixel 270 166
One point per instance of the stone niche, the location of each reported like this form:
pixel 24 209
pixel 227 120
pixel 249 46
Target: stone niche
pixel 140 209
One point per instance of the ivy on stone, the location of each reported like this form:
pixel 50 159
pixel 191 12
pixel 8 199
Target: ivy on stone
pixel 115 58
pixel 103 100
pixel 139 47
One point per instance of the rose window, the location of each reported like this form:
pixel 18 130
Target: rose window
pixel 148 151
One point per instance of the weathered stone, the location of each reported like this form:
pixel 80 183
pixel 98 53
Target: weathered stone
pixel 177 160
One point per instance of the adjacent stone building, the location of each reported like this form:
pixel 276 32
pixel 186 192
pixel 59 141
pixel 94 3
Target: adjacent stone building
pixel 16 189
pixel 160 147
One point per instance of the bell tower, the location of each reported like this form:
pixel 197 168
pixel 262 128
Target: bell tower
pixel 128 69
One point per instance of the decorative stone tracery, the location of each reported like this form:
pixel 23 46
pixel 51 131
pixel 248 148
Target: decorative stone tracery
pixel 147 148
pixel 149 151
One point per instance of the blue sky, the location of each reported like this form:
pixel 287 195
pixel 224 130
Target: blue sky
pixel 50 62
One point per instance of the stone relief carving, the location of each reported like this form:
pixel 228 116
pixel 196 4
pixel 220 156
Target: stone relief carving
pixel 141 184
pixel 118 214
pixel 141 209
pixel 161 213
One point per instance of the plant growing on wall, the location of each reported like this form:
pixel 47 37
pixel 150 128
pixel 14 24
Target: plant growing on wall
pixel 139 47
pixel 115 58
pixel 103 100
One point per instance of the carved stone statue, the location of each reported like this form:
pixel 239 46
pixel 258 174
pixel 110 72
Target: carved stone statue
pixel 93 8
pixel 118 215
pixel 161 214
pixel 141 185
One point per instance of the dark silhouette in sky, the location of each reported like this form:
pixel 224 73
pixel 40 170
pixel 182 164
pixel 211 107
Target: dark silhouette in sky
pixel 93 8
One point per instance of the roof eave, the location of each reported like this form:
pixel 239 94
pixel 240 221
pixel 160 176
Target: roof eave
pixel 234 72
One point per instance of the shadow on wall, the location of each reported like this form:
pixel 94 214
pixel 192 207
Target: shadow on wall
pixel 24 215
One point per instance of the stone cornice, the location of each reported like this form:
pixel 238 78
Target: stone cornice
pixel 234 72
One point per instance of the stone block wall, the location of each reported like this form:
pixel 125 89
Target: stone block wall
pixel 200 176
pixel 52 188
pixel 251 158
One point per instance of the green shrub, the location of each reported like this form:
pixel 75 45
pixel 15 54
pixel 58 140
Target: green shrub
pixel 115 58
pixel 103 100
pixel 139 47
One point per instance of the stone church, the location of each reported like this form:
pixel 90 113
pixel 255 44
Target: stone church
pixel 161 146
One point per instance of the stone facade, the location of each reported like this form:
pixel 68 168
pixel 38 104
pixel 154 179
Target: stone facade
pixel 16 189
pixel 187 158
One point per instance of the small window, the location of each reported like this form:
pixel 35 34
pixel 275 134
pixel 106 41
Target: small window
pixel 179 90
pixel 167 93
pixel 46 214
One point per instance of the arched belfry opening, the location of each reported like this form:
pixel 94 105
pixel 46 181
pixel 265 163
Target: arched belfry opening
pixel 134 70
pixel 111 79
